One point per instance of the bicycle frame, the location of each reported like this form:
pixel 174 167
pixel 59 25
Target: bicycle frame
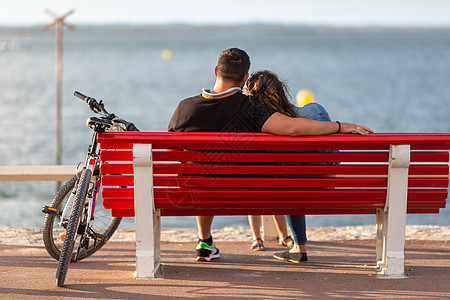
pixel 92 162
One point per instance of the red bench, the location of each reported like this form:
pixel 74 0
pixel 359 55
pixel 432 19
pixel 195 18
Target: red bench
pixel 153 174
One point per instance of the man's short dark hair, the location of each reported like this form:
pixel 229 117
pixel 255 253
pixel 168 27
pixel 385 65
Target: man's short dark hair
pixel 233 64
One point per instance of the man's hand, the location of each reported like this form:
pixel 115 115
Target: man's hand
pixel 353 128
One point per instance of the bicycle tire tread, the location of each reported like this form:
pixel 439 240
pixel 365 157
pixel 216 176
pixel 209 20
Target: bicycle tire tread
pixel 72 227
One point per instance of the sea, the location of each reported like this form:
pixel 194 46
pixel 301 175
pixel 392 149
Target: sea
pixel 390 79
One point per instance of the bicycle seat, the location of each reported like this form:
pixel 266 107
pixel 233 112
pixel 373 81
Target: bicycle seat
pixel 98 122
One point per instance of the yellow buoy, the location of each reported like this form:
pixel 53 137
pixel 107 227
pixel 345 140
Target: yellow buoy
pixel 304 97
pixel 166 54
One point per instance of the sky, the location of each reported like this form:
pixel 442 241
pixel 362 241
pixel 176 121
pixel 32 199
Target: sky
pixel 417 13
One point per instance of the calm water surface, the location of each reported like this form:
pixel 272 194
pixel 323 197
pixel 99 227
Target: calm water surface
pixel 391 81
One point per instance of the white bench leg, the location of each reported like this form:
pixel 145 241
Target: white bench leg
pixel 269 230
pixel 393 218
pixel 147 218
pixel 380 214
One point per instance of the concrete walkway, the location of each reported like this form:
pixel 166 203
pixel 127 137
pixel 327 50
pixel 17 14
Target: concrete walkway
pixel 337 269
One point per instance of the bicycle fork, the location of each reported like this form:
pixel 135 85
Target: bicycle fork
pixel 84 228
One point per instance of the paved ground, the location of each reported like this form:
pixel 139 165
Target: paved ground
pixel 337 269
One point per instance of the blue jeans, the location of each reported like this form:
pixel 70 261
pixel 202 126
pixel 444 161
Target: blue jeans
pixel 314 111
pixel 297 223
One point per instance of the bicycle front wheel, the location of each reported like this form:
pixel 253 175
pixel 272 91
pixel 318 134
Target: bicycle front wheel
pixel 72 227
pixel 55 225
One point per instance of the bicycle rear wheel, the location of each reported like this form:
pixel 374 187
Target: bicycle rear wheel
pixel 54 228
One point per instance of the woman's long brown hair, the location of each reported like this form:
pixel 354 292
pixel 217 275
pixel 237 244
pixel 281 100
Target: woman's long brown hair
pixel 265 87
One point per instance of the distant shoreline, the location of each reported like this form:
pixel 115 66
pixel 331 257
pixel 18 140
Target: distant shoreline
pixel 33 236
pixel 180 28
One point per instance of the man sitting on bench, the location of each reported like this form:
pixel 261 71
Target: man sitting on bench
pixel 226 109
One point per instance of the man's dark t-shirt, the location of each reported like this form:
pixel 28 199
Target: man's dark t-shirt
pixel 230 111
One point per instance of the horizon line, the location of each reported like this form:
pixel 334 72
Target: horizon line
pixel 237 24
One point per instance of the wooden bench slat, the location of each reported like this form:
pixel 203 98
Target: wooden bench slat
pixel 201 181
pixel 215 193
pixel 417 199
pixel 243 212
pixel 182 156
pixel 431 156
pixel 116 155
pixel 238 203
pixel 347 156
pixel 436 169
pixel 277 157
pixel 322 182
pixel 360 169
pixel 176 193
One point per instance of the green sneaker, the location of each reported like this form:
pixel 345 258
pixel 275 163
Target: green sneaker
pixel 206 252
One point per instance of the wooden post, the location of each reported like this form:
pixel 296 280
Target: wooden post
pixel 58 22
pixel 58 71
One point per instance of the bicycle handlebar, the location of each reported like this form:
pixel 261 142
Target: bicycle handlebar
pixel 81 96
pixel 99 107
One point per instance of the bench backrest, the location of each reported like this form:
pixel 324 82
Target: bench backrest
pixel 256 173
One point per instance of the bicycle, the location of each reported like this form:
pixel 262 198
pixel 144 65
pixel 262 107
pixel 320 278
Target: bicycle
pixel 75 219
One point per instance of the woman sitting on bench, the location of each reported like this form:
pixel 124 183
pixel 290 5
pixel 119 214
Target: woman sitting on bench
pixel 265 87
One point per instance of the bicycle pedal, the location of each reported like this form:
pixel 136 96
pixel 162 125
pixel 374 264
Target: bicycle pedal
pixel 49 210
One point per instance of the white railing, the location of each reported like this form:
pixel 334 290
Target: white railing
pixel 37 173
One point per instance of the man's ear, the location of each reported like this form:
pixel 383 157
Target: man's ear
pixel 215 71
